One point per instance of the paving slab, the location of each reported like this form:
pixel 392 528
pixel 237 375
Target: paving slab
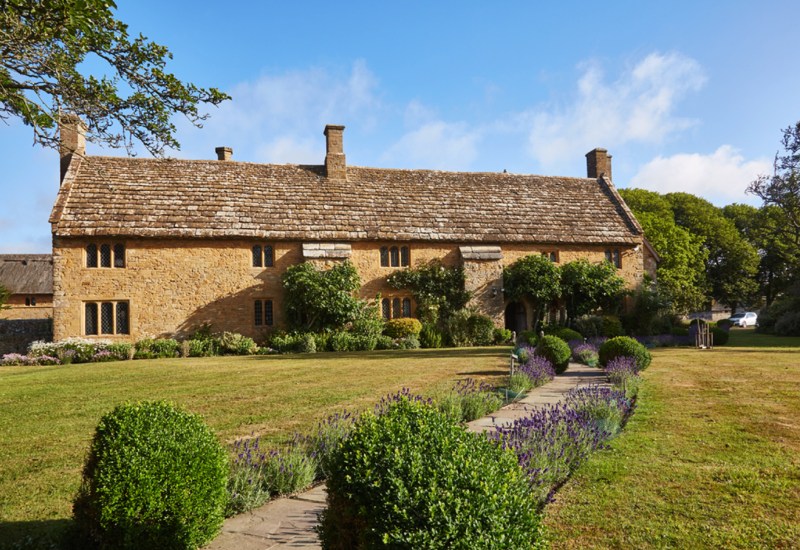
pixel 290 522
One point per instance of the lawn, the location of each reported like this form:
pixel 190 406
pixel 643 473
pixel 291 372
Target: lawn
pixel 711 459
pixel 48 414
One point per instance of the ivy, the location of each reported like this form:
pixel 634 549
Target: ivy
pixel 438 290
pixel 321 299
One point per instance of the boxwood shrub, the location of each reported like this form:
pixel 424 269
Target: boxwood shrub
pixel 155 477
pixel 402 327
pixel 565 333
pixel 555 350
pixel 625 346
pixel 411 478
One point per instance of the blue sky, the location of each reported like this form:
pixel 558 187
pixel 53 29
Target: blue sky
pixel 686 96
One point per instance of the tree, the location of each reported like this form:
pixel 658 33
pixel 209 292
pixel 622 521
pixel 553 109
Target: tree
pixel 321 299
pixel 782 191
pixel 586 287
pixel 732 263
pixel 535 278
pixel 761 228
pixel 4 296
pixel 681 274
pixel 47 46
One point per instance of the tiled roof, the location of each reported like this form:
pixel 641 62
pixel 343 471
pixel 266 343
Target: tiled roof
pixel 27 273
pixel 184 198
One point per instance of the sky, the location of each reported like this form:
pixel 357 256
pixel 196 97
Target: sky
pixel 686 96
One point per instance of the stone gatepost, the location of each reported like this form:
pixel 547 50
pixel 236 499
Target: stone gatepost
pixel 483 267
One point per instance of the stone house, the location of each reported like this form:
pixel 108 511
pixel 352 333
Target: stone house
pixel 148 247
pixel 28 313
pixel 29 280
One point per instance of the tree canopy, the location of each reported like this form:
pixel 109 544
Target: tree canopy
pixel 732 262
pixel 681 274
pixel 47 48
pixel 586 287
pixel 536 278
pixel 782 191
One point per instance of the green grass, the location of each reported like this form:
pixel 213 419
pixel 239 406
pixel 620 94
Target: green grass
pixel 48 414
pixel 711 459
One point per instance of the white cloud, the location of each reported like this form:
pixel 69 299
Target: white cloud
pixel 271 118
pixel 637 107
pixel 436 145
pixel 721 177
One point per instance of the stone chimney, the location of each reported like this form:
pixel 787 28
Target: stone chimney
pixel 224 153
pixel 598 163
pixel 335 164
pixel 72 139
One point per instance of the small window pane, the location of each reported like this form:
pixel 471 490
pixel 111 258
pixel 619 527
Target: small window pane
pixel 386 308
pixel 269 256
pixel 33 300
pixel 105 255
pixel 268 318
pixel 122 318
pixel 384 256
pixel 617 259
pixel 554 257
pixel 256 256
pixel 91 255
pixel 27 301
pixel 406 307
pixel 404 257
pixel 90 314
pixel 119 255
pixel 396 311
pixel 259 313
pixel 395 256
pixel 107 318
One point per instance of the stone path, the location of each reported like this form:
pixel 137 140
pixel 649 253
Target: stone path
pixel 289 522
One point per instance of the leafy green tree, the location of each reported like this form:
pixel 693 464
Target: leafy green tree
pixel 438 290
pixel 732 262
pixel 536 279
pixel 586 287
pixel 4 296
pixel 47 48
pixel 317 299
pixel 761 228
pixel 782 191
pixel 681 274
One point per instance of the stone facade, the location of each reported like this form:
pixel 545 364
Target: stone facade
pixel 175 286
pixel 187 228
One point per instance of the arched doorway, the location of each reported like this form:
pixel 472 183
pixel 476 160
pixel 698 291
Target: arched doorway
pixel 516 317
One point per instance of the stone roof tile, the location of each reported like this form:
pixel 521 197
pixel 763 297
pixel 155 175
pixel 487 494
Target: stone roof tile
pixel 189 198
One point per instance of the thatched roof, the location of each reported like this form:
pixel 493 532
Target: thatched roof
pixel 27 273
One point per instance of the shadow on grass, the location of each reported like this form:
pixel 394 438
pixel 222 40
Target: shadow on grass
pixel 43 534
pixel 442 353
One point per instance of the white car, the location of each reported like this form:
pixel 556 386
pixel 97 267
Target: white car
pixel 748 319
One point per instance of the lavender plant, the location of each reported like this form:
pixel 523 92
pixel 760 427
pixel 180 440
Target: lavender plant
pixel 550 444
pixel 288 470
pixel 538 369
pixel 328 436
pixel 469 400
pixel 555 440
pixel 607 407
pixel 622 372
pixel 584 352
pixel 246 489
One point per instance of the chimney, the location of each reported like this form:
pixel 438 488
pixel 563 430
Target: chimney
pixel 335 164
pixel 598 163
pixel 224 153
pixel 72 139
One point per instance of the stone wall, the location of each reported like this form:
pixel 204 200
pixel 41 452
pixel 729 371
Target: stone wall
pixel 18 310
pixel 17 334
pixel 174 286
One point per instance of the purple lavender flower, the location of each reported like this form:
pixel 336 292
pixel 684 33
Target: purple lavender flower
pixel 538 369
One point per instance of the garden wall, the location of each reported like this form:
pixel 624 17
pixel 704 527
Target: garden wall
pixel 17 334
